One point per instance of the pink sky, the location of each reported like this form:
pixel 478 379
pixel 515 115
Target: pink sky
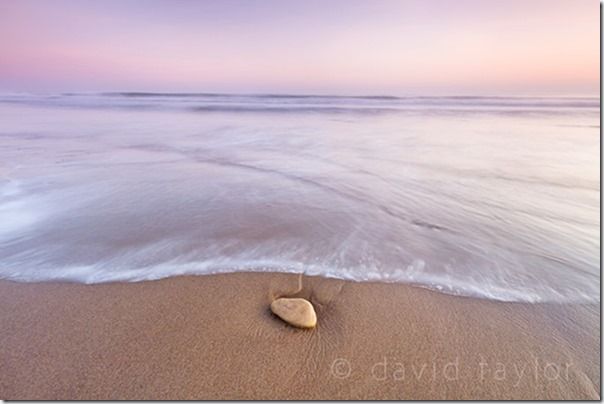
pixel 397 47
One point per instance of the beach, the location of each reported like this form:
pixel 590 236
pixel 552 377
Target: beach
pixel 300 200
pixel 214 337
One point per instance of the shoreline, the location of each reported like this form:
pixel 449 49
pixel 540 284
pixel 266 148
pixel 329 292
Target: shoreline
pixel 213 337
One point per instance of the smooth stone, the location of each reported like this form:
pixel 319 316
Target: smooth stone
pixel 295 311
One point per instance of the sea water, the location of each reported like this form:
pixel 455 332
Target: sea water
pixel 492 197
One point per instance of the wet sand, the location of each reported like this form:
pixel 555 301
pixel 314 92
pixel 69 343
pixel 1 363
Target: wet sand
pixel 213 337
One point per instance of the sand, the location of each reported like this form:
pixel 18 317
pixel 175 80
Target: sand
pixel 214 337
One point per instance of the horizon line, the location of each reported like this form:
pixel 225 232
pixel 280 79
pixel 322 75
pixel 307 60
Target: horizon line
pixel 292 94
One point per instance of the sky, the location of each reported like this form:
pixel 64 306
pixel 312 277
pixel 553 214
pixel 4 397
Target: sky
pixel 352 47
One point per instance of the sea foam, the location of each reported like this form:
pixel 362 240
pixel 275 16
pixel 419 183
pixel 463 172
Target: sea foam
pixel 487 197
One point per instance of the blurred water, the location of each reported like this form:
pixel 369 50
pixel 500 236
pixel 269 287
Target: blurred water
pixel 489 197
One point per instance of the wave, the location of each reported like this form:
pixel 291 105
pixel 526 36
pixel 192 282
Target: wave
pixel 280 103
pixel 413 274
pixel 503 208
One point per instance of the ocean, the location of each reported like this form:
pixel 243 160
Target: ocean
pixel 487 197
